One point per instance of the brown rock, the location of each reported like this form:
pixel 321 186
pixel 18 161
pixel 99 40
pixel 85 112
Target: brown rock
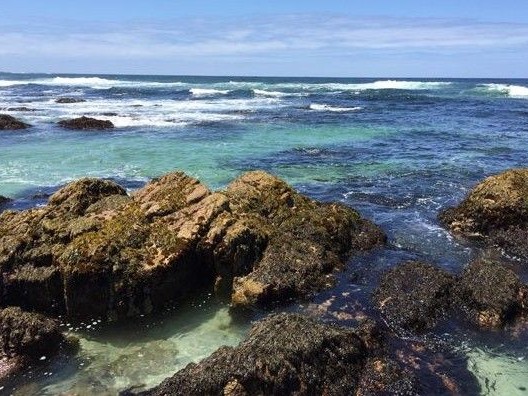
pixel 8 122
pixel 86 123
pixel 95 252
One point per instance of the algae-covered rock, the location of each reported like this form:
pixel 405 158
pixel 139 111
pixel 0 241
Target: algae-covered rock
pixel 94 251
pixel 307 240
pixel 86 123
pixel 288 354
pixel 499 201
pixel 8 122
pixel 495 211
pixel 491 294
pixel 414 295
pixel 28 334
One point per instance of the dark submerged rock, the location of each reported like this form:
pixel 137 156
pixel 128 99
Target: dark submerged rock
pixel 93 251
pixel 28 334
pixel 26 339
pixel 289 354
pixel 4 200
pixel 491 294
pixel 8 122
pixel 414 295
pixel 70 100
pixel 86 123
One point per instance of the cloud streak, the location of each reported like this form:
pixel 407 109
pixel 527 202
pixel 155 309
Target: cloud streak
pixel 302 34
pixel 294 45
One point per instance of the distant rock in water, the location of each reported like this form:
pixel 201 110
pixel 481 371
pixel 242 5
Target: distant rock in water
pixel 94 251
pixel 4 200
pixel 289 354
pixel 70 100
pixel 86 123
pixel 23 109
pixel 8 122
pixel 496 211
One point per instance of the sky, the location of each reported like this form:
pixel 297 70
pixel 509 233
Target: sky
pixel 331 38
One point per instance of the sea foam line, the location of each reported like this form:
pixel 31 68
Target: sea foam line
pixel 335 109
pixel 515 91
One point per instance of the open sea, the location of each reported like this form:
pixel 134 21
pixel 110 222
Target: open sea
pixel 398 150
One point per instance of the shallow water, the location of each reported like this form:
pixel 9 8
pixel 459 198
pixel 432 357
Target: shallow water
pixel 399 151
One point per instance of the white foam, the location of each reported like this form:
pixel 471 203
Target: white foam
pixel 10 83
pixel 91 82
pixel 515 91
pixel 273 94
pixel 324 107
pixel 207 92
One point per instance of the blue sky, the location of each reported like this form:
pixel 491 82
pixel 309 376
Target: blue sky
pixel 405 38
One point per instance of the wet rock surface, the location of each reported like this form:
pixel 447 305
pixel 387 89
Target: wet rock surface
pixel 290 354
pixel 27 338
pixel 414 295
pixel 94 251
pixel 86 123
pixel 491 294
pixel 8 122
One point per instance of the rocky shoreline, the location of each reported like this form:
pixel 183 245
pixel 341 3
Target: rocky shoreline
pixel 96 252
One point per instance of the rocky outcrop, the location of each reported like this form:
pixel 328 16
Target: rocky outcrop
pixel 289 354
pixel 415 296
pixel 496 211
pixel 70 100
pixel 86 123
pixel 26 338
pixel 307 240
pixel 8 122
pixel 94 251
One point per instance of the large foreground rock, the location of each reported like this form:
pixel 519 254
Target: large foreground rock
pixel 9 122
pixel 496 210
pixel 288 354
pixel 94 251
pixel 86 123
pixel 416 296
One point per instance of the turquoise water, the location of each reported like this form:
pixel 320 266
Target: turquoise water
pixel 398 150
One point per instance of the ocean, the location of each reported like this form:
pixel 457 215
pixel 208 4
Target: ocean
pixel 398 150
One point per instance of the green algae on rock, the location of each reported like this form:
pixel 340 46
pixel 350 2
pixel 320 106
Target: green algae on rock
pixel 94 251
